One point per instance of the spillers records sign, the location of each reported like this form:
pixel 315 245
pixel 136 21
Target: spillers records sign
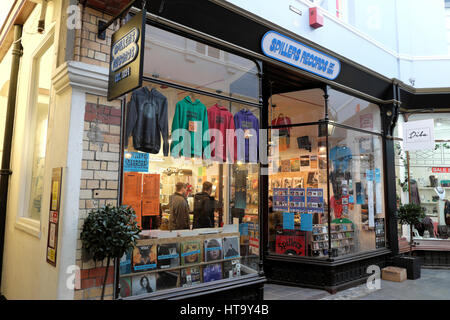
pixel 291 242
pixel 299 55
pixel 127 53
pixel 418 135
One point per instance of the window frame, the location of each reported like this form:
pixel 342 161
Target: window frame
pixel 24 221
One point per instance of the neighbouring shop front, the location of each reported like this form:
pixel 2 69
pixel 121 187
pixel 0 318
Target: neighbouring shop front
pixel 423 178
pixel 292 163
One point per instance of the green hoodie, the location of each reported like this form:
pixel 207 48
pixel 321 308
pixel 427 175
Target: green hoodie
pixel 189 116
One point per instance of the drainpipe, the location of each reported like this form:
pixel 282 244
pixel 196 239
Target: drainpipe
pixel 5 171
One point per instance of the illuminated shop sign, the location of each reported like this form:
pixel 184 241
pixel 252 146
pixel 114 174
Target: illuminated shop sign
pixel 294 53
pixel 125 50
pixel 125 68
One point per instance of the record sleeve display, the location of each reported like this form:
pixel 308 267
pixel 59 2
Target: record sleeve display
pixel 212 272
pixel 191 252
pixel 190 276
pixel 213 249
pixel 143 283
pixel 231 247
pixel 125 287
pixel 164 260
pixel 168 255
pixel 144 258
pixel 167 279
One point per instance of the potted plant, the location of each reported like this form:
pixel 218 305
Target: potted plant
pixel 108 233
pixel 410 214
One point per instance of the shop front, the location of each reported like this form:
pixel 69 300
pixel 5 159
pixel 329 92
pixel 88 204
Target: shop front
pixel 423 179
pixel 250 163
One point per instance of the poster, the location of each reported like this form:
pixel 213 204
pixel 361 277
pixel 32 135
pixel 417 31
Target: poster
pixel 304 163
pixel 297 200
pixel 53 215
pixel 132 187
pixel 314 200
pixel 369 178
pixel 150 195
pixel 288 220
pixel 135 162
pixel 378 195
pixel 306 222
pixel 291 243
pixel 280 199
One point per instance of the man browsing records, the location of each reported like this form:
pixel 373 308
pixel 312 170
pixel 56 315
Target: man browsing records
pixel 179 209
pixel 204 206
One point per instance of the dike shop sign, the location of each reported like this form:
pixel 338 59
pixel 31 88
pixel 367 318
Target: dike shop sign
pixel 294 53
pixel 125 68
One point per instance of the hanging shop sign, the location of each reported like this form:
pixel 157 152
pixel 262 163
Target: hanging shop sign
pixel 126 59
pixel 53 217
pixel 418 135
pixel 294 53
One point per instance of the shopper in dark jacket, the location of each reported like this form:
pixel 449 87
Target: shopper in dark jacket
pixel 204 206
pixel 179 209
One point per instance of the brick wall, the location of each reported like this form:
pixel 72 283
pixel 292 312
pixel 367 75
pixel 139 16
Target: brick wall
pixel 99 183
pixel 88 47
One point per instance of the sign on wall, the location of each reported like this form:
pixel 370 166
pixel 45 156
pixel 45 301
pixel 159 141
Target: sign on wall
pixel 135 162
pixel 418 135
pixel 294 53
pixel 53 216
pixel 126 59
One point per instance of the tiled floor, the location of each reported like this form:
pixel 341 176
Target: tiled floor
pixel 434 284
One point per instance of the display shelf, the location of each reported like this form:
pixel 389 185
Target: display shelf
pixel 175 268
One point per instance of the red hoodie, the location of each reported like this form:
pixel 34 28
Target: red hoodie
pixel 221 119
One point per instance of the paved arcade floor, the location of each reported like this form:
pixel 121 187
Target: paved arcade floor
pixel 434 284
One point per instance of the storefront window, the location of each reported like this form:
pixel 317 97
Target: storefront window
pixel 187 173
pixel 424 178
pixel 356 191
pixel 180 60
pixel 325 205
pixel 353 112
pixel 38 131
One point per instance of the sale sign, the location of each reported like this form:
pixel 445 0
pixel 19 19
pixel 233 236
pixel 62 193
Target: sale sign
pixel 440 169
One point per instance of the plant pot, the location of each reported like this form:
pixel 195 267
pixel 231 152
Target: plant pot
pixel 412 265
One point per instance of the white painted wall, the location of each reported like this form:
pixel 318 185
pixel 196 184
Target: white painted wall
pixel 399 39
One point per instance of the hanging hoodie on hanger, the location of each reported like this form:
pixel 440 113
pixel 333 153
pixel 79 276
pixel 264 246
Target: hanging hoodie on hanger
pixel 283 133
pixel 147 121
pixel 221 119
pixel 192 118
pixel 248 137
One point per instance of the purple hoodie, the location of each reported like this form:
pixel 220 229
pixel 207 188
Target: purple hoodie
pixel 247 139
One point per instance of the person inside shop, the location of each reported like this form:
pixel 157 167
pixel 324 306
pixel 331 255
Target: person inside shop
pixel 204 206
pixel 179 209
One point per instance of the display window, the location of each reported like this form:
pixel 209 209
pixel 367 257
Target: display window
pixel 423 176
pixel 190 167
pixel 326 182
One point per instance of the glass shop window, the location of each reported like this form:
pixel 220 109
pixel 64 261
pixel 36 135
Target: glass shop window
pixel 312 212
pixel 353 112
pixel 187 62
pixel 298 193
pixel 192 184
pixel 356 192
pixel 423 176
pixel 38 131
